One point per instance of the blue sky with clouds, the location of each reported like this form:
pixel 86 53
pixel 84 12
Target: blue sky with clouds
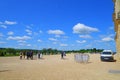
pixel 57 24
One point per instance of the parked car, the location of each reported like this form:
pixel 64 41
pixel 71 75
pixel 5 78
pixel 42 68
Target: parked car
pixel 107 55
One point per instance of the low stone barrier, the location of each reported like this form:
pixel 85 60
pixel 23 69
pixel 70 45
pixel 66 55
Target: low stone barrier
pixel 81 58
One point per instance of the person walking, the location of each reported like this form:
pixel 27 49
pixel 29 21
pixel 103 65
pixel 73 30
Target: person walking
pixel 24 54
pixel 62 54
pixel 21 55
pixel 28 54
pixel 38 55
pixel 41 55
pixel 31 55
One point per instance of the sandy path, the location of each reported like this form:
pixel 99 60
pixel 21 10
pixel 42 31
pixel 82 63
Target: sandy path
pixel 53 68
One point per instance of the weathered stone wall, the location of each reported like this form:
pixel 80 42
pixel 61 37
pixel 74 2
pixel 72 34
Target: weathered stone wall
pixel 117 7
pixel 118 42
pixel 117 25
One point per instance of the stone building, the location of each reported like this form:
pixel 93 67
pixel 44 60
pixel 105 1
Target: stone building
pixel 116 19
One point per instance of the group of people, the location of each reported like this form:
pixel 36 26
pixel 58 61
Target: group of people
pixel 28 54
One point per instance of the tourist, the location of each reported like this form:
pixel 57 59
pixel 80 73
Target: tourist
pixel 38 55
pixel 41 55
pixel 24 54
pixel 21 55
pixel 28 54
pixel 31 54
pixel 62 54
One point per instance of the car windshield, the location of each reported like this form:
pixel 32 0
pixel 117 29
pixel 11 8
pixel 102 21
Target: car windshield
pixel 106 53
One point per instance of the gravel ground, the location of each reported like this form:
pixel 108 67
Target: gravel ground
pixel 52 67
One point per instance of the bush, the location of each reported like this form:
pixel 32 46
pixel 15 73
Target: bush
pixel 2 54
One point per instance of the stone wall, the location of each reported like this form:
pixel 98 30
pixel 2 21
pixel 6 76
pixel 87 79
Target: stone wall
pixel 117 26
pixel 118 42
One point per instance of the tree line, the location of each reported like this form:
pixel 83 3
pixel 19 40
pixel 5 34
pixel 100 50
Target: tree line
pixel 44 51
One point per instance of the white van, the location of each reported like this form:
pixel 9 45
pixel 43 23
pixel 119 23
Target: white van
pixel 107 55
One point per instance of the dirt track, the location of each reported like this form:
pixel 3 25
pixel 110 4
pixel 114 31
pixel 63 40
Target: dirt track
pixel 53 68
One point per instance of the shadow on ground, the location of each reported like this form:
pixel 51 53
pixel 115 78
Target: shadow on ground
pixel 4 70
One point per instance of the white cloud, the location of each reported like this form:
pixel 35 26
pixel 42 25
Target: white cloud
pixel 54 42
pixel 107 39
pixel 40 31
pixel 10 22
pixel 21 41
pixel 83 29
pixel 22 44
pixel 18 38
pixel 28 44
pixel 39 40
pixel 83 41
pixel 108 35
pixel 10 33
pixel 3 26
pixel 56 32
pixel 63 45
pixel 29 32
pixel 28 27
pixel 53 39
pixel 85 36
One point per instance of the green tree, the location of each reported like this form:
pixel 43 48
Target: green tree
pixel 11 51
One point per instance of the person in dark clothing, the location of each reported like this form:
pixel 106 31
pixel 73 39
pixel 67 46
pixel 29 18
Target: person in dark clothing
pixel 62 54
pixel 28 54
pixel 38 55
pixel 31 54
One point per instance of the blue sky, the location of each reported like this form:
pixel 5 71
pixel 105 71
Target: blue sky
pixel 57 24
